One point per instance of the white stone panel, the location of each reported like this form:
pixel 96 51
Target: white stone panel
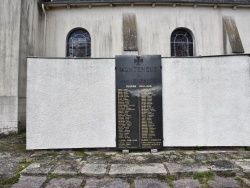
pixel 71 103
pixel 206 101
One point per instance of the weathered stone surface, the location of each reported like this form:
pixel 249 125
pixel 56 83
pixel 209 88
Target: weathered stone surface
pixel 245 165
pixel 150 183
pixel 186 168
pixel 106 183
pixel 224 166
pixel 8 167
pixel 30 182
pixel 137 158
pixel 223 183
pixel 68 168
pixel 137 169
pixel 246 181
pixel 185 183
pixel 93 169
pixel 37 169
pixel 233 34
pixel 129 33
pixel 204 156
pixel 65 183
pixel 97 159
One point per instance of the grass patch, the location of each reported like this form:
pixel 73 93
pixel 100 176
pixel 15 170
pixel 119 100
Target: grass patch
pixel 24 164
pixel 204 177
pixel 198 148
pixel 8 182
pixel 186 161
pixel 103 155
pixel 239 180
pixel 13 142
pixel 83 184
pixel 20 148
pixel 12 133
pixel 52 176
pixel 131 182
pixel 162 177
pixel 182 152
pixel 208 175
pixel 247 148
pixel 242 183
pixel 247 176
pixel 82 154
pixel 53 154
pixel 169 179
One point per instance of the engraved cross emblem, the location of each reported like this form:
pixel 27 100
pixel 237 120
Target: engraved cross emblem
pixel 138 60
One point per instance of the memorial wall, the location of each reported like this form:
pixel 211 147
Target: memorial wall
pixel 86 103
pixel 138 102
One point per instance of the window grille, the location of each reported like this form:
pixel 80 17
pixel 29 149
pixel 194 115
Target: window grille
pixel 181 43
pixel 79 44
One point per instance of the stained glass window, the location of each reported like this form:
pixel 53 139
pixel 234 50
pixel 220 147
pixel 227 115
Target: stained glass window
pixel 79 44
pixel 181 43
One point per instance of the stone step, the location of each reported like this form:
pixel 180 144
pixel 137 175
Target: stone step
pixel 90 182
pixel 147 170
pixel 150 169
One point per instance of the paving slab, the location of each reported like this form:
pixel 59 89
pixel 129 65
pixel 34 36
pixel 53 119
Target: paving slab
pixel 245 165
pixel 98 159
pixel 106 183
pixel 223 183
pixel 8 167
pixel 93 169
pixel 204 156
pixel 135 158
pixel 224 166
pixel 67 168
pixel 150 183
pixel 182 169
pixel 137 169
pixel 4 155
pixel 37 169
pixel 151 158
pixel 30 182
pixel 119 159
pixel 65 183
pixel 186 183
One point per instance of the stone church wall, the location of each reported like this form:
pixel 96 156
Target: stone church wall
pixel 31 44
pixel 19 38
pixel 9 59
pixel 154 28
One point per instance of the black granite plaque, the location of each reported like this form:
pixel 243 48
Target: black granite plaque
pixel 139 102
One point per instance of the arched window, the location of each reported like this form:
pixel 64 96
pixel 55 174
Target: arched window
pixel 181 43
pixel 79 43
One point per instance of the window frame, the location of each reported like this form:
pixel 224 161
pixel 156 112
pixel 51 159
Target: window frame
pixel 67 42
pixel 190 34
